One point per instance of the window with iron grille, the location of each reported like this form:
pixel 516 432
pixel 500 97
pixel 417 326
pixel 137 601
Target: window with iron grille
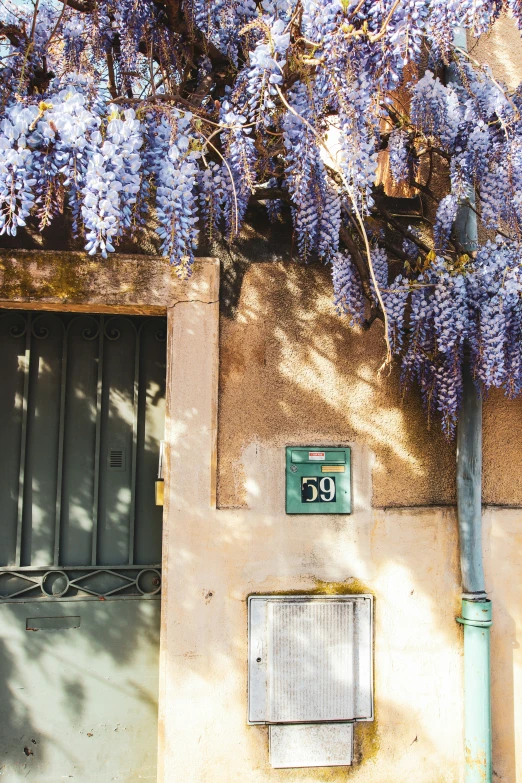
pixel 82 407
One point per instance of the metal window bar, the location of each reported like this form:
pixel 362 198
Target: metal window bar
pixel 61 434
pixel 96 498
pixel 135 392
pixel 23 439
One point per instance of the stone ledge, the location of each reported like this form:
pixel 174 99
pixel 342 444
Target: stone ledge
pixel 75 281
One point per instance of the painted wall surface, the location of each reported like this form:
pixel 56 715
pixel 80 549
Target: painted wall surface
pixel 503 563
pixel 408 560
pixel 292 372
pixel 502 51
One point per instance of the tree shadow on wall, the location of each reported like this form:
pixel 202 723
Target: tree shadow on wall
pixel 305 373
pixel 293 372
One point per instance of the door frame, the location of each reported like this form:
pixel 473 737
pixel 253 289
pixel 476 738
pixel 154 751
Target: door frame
pixel 147 285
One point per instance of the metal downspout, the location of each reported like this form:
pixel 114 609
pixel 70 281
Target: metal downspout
pixel 476 608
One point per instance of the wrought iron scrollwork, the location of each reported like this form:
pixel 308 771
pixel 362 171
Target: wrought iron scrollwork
pixel 40 330
pixel 91 332
pixel 80 583
pixel 111 331
pixel 16 330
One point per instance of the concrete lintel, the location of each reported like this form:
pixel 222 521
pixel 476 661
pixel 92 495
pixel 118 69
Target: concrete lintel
pixel 77 282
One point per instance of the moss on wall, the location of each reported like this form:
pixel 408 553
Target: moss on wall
pixel 66 278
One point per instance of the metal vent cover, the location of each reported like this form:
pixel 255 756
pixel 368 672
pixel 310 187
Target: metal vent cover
pixel 116 459
pixel 310 659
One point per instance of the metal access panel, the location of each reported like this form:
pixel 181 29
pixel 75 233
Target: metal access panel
pixel 82 409
pixel 318 480
pixel 311 745
pixel 310 659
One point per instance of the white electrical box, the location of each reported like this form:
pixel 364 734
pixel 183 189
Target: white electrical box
pixel 310 659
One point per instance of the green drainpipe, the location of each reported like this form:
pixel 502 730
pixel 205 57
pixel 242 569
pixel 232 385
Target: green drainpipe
pixel 476 608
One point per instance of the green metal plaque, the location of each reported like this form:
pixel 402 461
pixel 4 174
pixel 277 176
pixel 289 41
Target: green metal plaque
pixel 318 480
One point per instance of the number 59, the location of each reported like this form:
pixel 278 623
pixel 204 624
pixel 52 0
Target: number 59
pixel 315 490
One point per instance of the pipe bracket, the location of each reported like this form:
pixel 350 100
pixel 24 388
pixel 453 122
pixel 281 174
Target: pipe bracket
pixel 477 623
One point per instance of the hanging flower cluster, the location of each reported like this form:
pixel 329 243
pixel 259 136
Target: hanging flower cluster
pixel 135 112
pixel 398 152
pixel 479 306
pixel 267 61
pixel 348 296
pixel 317 206
pixel 176 169
pixel 112 181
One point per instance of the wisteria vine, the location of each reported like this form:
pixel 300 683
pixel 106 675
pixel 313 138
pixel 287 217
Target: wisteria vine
pixel 127 113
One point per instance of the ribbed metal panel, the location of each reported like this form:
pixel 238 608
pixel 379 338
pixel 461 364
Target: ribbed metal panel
pixel 310 661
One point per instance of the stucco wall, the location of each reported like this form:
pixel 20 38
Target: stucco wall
pixel 218 557
pixel 408 559
pixel 501 50
pixel 293 371
pixel 503 564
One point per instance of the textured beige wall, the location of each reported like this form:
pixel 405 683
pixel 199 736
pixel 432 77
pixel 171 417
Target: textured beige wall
pixel 293 374
pixel 216 558
pixel 293 371
pixel 502 51
pixel 406 557
pixel 503 564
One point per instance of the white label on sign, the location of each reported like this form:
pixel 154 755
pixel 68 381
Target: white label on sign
pixel 316 455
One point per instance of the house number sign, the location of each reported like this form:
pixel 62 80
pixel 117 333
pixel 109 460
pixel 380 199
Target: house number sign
pixel 318 490
pixel 318 480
